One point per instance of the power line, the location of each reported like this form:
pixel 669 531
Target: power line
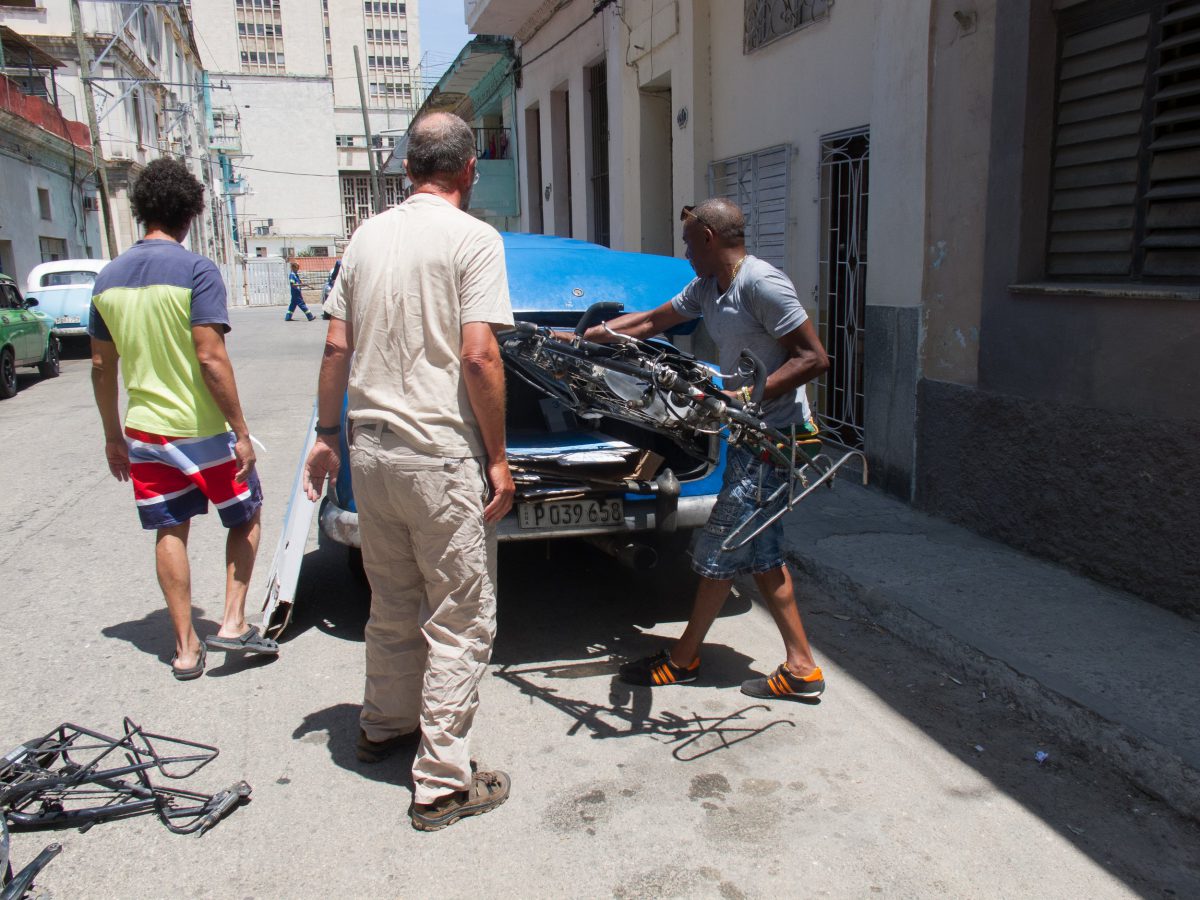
pixel 110 135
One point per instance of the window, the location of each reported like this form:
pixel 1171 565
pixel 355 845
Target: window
pixel 260 35
pixel 53 249
pixel 44 204
pixel 318 251
pixel 769 20
pixel 1125 197
pixel 758 183
pixel 356 197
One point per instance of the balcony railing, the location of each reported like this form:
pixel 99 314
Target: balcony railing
pixel 493 143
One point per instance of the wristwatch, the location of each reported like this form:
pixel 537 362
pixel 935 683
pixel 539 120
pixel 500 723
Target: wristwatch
pixel 328 429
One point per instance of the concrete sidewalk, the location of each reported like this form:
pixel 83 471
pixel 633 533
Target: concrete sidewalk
pixel 1114 675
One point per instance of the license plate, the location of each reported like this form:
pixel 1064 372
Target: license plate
pixel 67 320
pixel 570 514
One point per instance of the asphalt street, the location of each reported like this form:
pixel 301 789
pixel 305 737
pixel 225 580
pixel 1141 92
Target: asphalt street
pixel 901 782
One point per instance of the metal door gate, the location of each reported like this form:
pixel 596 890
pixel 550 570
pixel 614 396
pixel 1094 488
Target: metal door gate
pixel 843 282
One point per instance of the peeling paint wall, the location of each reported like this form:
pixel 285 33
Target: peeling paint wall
pixel 962 53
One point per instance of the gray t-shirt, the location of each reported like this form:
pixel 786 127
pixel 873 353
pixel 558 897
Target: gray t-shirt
pixel 759 308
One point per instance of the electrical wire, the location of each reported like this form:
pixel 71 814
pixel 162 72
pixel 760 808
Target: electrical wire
pixel 161 149
pixel 596 10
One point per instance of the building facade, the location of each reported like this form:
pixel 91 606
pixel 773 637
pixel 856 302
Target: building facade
pixel 480 87
pixel 297 165
pixel 990 212
pixel 146 80
pixel 49 207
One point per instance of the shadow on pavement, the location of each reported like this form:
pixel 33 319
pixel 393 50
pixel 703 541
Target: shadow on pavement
pixel 570 594
pixel 340 723
pixel 153 634
pixel 1069 793
pixel 568 612
pixel 565 600
pixel 330 596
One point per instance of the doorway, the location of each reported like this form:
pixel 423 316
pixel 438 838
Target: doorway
pixel 657 190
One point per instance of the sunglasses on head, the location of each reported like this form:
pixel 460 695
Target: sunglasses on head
pixel 690 211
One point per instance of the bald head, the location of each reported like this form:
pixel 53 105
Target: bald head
pixel 724 219
pixel 440 144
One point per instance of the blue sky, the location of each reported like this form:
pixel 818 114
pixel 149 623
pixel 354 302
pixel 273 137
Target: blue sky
pixel 443 32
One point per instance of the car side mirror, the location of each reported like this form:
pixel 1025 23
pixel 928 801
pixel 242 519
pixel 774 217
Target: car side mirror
pixel 31 302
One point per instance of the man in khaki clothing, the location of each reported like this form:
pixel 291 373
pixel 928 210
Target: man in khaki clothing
pixel 422 291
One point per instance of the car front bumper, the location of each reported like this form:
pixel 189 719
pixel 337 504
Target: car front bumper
pixel 342 525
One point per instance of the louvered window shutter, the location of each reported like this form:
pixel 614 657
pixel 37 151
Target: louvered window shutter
pixel 1125 202
pixel 758 184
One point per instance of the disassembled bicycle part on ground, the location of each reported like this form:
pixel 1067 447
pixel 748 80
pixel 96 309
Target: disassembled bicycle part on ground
pixel 76 777
pixel 16 886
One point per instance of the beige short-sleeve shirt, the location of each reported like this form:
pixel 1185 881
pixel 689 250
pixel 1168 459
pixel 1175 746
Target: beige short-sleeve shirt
pixel 411 278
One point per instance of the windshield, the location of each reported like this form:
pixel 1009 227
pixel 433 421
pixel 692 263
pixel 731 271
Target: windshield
pixel 57 279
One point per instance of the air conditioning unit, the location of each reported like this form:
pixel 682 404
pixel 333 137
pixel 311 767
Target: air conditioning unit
pixel 91 204
pixel 119 155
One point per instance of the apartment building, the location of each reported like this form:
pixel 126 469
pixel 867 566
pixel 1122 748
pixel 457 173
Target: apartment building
pixel 50 209
pixel 479 86
pixel 989 210
pixel 296 150
pixel 146 80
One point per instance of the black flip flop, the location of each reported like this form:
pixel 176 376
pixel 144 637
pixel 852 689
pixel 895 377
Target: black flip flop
pixel 250 641
pixel 191 673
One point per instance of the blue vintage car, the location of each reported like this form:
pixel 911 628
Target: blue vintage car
pixel 622 483
pixel 63 290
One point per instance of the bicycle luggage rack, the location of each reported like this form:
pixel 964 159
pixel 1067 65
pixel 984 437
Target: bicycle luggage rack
pixel 76 777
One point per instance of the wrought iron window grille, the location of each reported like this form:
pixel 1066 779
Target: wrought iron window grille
pixel 769 20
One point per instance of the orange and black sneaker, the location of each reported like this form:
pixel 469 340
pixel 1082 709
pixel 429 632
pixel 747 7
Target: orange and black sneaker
pixel 657 670
pixel 783 685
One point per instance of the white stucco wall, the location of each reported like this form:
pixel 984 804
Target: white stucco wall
pixel 290 122
pixel 278 137
pixel 813 82
pixel 560 69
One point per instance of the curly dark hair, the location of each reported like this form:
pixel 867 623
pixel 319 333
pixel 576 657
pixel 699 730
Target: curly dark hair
pixel 167 195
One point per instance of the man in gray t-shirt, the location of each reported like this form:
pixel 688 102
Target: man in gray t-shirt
pixel 746 303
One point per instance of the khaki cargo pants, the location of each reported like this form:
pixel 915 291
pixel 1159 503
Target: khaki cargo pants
pixel 431 562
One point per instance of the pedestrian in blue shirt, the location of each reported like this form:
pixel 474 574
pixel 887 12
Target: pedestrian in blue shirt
pixel 297 298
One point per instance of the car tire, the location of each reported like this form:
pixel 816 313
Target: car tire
pixel 8 373
pixel 51 365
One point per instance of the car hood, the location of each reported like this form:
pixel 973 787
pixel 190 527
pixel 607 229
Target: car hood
pixel 553 274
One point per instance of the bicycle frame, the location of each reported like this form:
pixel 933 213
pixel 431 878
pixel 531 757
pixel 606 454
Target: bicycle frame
pixel 74 776
pixel 677 396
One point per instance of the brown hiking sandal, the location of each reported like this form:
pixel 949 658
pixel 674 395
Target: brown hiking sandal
pixel 370 751
pixel 488 790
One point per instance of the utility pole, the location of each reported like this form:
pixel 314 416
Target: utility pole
pixel 376 187
pixel 85 77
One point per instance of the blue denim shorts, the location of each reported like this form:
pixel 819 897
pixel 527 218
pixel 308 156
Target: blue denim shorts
pixel 740 496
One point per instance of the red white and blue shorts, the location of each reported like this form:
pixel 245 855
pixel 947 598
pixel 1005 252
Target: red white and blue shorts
pixel 174 479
